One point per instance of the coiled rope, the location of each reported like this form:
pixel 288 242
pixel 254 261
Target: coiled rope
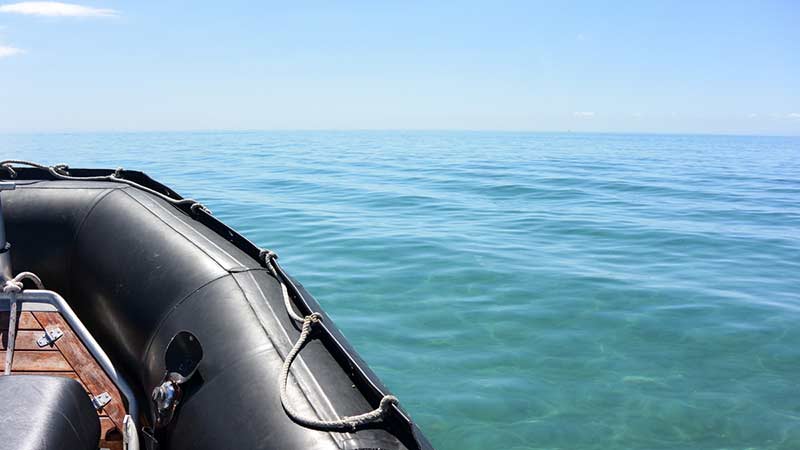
pixel 347 423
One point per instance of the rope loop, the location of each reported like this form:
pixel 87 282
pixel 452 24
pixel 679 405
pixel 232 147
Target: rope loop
pixel 30 276
pixel 343 424
pixel 197 207
pixel 7 164
pixel 15 285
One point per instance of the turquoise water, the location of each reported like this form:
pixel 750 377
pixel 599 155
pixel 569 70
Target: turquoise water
pixel 523 291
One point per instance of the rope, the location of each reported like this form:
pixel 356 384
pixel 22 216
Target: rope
pixel 349 423
pixel 269 258
pixel 59 171
pixel 29 276
pixel 13 173
pixel 344 424
pixel 13 287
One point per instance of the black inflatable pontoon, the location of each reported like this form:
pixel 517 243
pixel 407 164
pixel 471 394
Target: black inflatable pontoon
pixel 144 271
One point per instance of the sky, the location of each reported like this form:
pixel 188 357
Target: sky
pixel 729 67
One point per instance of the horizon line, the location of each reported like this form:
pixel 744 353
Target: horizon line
pixel 384 130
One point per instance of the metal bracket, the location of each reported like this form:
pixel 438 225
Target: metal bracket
pixel 50 337
pixel 101 400
pixel 166 397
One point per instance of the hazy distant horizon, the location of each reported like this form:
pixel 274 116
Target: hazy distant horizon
pixel 390 130
pixel 685 68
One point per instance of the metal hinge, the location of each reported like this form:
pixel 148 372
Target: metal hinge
pixel 101 400
pixel 49 337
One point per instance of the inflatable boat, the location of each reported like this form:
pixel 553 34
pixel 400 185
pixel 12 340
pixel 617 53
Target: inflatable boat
pixel 133 318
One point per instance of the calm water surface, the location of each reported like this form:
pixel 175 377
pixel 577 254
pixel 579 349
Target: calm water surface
pixel 523 291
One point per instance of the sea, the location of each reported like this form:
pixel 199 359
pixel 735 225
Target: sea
pixel 524 290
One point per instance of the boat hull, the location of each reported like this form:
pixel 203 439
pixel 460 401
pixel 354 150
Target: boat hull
pixel 137 269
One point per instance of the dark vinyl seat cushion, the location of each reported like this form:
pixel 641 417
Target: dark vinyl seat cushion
pixel 46 413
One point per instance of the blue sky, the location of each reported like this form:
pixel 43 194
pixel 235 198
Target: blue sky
pixel 682 66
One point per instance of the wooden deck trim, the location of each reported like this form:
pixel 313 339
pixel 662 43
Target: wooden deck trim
pixel 34 360
pixel 84 364
pixel 26 340
pixel 25 321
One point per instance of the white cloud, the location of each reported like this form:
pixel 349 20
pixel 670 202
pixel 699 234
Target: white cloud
pixel 584 114
pixel 637 115
pixel 6 51
pixel 752 115
pixel 55 9
pixel 793 115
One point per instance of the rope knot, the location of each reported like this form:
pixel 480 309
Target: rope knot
pixel 118 172
pixel 15 284
pixel 314 317
pixel 61 168
pixel 267 255
pixel 12 287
